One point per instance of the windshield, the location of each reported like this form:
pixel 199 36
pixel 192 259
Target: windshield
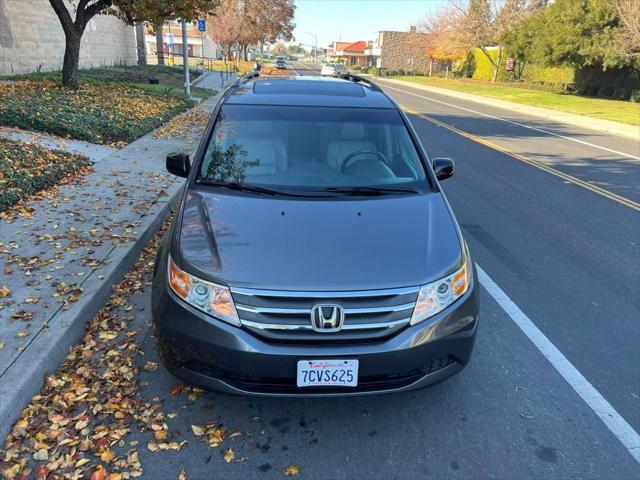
pixel 313 148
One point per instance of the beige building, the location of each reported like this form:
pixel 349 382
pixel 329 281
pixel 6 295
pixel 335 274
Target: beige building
pixel 31 39
pixel 405 51
pixel 199 44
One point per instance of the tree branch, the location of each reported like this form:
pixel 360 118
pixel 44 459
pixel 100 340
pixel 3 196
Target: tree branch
pixel 63 14
pixel 95 8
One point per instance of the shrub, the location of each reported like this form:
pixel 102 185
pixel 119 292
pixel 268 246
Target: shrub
pixel 401 71
pixel 635 96
pixel 560 76
pixel 592 90
pixel 356 67
pixel 26 169
pixel 605 91
pixel 393 73
pixel 620 93
pixel 479 68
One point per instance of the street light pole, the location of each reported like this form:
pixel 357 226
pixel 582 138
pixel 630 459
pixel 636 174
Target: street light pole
pixel 185 62
pixel 315 50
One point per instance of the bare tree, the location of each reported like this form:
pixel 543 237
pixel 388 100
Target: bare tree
pixel 629 35
pixel 483 23
pixel 442 41
pixel 242 23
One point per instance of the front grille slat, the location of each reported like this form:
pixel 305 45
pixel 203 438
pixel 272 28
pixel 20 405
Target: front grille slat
pixel 347 326
pixel 307 311
pixel 285 316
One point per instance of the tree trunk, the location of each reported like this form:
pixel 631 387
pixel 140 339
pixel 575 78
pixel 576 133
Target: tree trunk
pixel 496 67
pixel 71 59
pixel 141 44
pixel 159 44
pixel 583 87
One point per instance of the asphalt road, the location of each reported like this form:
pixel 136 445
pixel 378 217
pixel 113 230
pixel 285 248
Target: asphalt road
pixel 566 255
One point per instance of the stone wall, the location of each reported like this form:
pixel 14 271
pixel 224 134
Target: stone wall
pixel 406 51
pixel 31 38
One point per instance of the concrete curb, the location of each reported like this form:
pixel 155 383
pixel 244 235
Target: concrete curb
pixel 605 126
pixel 50 346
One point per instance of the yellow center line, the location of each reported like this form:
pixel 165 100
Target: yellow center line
pixel 569 178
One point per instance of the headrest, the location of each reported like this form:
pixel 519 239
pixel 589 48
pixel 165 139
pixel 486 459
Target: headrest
pixel 352 131
pixel 260 128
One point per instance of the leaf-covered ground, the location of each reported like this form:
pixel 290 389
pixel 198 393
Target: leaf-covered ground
pixel 105 113
pixel 93 416
pixel 76 426
pixel 26 169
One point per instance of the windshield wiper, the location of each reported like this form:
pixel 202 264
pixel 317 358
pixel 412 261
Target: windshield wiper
pixel 371 190
pixel 249 187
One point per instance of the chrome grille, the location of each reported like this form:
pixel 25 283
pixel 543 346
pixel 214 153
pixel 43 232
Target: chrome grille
pixel 286 315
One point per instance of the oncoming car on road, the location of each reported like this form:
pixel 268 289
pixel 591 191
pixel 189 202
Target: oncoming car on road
pixel 333 70
pixel 313 251
pixel 280 63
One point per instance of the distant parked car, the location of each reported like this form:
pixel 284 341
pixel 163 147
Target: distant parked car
pixel 280 63
pixel 333 70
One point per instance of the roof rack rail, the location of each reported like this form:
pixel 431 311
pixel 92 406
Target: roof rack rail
pixel 358 79
pixel 246 77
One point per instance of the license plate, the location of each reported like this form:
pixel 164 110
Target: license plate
pixel 322 373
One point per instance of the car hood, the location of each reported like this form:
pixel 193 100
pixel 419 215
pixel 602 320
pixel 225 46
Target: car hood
pixel 321 245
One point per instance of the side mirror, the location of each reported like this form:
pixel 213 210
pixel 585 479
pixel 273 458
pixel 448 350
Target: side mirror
pixel 178 164
pixel 443 167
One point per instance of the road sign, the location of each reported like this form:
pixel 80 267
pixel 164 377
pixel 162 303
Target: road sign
pixel 202 26
pixel 511 63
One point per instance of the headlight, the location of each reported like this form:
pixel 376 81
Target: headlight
pixel 436 296
pixel 213 299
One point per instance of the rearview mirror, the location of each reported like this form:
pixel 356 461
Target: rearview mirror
pixel 443 167
pixel 178 164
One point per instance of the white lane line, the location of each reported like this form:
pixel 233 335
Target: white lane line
pixel 593 145
pixel 603 409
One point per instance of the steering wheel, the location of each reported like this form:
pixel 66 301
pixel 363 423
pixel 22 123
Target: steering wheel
pixel 349 160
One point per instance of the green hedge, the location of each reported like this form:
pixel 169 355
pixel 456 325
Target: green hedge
pixel 548 75
pixel 478 67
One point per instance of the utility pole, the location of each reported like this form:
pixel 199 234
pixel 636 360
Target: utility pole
pixel 315 50
pixel 185 62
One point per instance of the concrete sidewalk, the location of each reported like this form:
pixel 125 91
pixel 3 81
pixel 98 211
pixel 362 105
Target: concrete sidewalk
pixel 213 80
pixel 606 126
pixel 92 151
pixel 60 260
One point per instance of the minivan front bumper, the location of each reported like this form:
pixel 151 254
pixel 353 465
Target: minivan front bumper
pixel 210 353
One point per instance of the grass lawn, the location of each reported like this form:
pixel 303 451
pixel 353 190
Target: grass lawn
pixel 615 110
pixel 112 106
pixel 26 169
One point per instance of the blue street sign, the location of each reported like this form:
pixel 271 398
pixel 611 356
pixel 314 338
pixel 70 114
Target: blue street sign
pixel 202 26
